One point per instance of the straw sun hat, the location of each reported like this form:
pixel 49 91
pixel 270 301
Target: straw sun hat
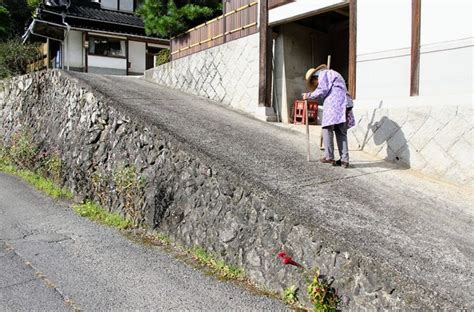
pixel 311 73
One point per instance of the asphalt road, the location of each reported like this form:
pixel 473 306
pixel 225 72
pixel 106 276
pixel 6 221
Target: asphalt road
pixel 53 260
pixel 421 228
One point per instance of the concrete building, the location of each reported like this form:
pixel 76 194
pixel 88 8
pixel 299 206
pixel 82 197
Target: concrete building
pixel 103 37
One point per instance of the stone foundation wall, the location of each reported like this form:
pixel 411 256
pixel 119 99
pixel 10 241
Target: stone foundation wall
pixel 433 135
pixel 226 74
pixel 192 197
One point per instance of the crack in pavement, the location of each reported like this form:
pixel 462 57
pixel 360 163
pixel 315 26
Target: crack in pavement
pixel 40 276
pixel 312 182
pixel 352 177
pixel 19 283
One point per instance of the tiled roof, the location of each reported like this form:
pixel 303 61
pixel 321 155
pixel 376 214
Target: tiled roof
pixel 98 14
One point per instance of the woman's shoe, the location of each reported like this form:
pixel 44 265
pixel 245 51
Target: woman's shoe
pixel 341 163
pixel 327 161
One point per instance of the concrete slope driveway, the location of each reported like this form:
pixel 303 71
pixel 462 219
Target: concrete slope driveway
pixel 53 260
pixel 422 229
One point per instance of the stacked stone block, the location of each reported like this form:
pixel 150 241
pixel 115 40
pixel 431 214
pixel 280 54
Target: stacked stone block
pixel 433 138
pixel 226 74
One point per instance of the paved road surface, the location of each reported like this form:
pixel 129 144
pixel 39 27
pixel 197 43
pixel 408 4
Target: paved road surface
pixel 53 260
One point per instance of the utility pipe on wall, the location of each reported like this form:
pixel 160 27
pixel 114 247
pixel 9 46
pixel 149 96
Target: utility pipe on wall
pixel 66 41
pixel 66 36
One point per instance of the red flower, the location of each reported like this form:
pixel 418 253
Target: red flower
pixel 285 259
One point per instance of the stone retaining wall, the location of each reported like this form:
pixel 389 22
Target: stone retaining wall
pixel 226 74
pixel 433 135
pixel 192 197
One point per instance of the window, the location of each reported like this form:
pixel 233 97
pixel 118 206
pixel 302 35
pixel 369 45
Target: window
pixel 103 46
pixel 138 3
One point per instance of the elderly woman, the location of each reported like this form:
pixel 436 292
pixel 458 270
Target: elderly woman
pixel 328 87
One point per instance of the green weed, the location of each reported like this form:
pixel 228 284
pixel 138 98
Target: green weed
pixel 130 186
pixel 100 184
pixel 4 156
pixel 96 213
pixel 289 295
pixel 22 151
pixel 43 184
pixel 165 240
pixel 52 167
pixel 323 297
pixel 218 267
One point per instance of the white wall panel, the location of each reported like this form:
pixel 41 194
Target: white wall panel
pixel 448 71
pixel 446 60
pixel 107 62
pixel 383 25
pixel 76 51
pixel 387 77
pixel 383 48
pixel 136 56
pixel 443 20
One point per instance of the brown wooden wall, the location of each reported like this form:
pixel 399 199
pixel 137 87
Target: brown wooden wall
pixel 239 20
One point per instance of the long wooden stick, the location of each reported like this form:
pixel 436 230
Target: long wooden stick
pixel 321 147
pixel 307 130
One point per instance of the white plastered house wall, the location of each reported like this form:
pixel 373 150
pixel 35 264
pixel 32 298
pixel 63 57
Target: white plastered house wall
pixel 446 60
pixel 76 52
pixel 137 57
pixel 431 132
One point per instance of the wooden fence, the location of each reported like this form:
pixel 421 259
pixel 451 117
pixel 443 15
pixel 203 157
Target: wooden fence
pixel 239 20
pixel 41 62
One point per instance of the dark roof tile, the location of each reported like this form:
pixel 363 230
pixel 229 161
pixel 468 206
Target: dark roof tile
pixel 98 14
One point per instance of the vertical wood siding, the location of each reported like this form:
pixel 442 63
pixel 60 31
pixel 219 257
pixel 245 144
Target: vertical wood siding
pixel 240 21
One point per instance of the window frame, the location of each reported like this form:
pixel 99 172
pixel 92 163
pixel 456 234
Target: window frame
pixel 92 37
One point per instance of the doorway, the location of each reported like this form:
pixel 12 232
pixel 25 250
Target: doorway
pixel 303 44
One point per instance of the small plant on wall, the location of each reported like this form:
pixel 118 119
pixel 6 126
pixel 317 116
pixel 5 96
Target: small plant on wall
pixel 51 166
pixel 289 295
pixel 22 150
pixel 100 185
pixel 129 186
pixel 321 295
pixel 21 157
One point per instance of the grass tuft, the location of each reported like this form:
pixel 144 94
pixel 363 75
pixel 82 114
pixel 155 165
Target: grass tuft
pixel 96 213
pixel 43 184
pixel 217 267
pixel 289 295
pixel 165 240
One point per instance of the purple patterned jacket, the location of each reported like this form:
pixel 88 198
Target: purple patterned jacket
pixel 332 92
